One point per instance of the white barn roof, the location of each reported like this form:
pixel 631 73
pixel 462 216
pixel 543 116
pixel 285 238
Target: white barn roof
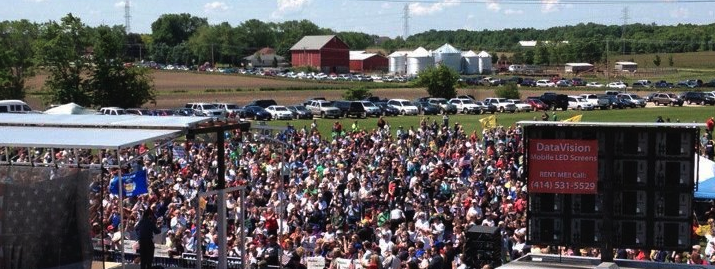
pixel 447 48
pixel 419 52
pixel 484 54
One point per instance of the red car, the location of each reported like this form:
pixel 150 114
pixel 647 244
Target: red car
pixel 537 104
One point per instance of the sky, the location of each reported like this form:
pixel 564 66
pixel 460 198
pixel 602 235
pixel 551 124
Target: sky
pixel 383 18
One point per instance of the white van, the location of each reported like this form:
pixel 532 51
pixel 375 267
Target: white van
pixel 14 106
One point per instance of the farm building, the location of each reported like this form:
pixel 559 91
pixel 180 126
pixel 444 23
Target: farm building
pixel 626 66
pixel 448 56
pixel 418 60
pixel 398 62
pixel 367 62
pixel 326 53
pixel 265 57
pixel 578 67
pixel 485 62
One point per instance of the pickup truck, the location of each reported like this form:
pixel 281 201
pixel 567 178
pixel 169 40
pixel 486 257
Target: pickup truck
pixel 323 108
pixel 595 101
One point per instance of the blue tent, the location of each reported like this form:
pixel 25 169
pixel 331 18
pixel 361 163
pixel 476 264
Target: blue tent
pixel 706 172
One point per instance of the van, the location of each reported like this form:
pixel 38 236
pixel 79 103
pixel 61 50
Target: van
pixel 263 103
pixel 351 108
pixel 14 106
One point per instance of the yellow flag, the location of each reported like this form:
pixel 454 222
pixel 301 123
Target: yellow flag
pixel 489 122
pixel 703 230
pixel 576 118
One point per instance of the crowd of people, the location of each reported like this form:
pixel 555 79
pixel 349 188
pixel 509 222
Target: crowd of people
pixel 384 196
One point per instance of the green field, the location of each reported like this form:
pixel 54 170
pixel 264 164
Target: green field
pixel 687 60
pixel 471 122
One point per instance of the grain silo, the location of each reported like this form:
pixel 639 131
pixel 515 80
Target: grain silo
pixel 398 62
pixel 448 56
pixel 470 63
pixel 418 60
pixel 485 62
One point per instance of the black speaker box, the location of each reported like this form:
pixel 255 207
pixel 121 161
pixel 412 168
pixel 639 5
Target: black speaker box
pixel 483 246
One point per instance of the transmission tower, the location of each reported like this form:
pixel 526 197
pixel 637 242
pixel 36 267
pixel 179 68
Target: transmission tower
pixel 127 17
pixel 406 22
pixel 623 30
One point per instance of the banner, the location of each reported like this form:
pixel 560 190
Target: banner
pixel 178 152
pixel 563 166
pixel 489 122
pixel 576 118
pixel 315 262
pixel 343 263
pixel 134 184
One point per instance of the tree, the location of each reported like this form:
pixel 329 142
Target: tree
pixel 440 81
pixel 358 93
pixel 172 29
pixel 17 39
pixel 63 50
pixel 656 61
pixel 111 84
pixel 670 60
pixel 509 91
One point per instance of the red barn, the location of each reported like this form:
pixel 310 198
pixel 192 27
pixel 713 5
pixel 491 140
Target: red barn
pixel 327 53
pixel 368 62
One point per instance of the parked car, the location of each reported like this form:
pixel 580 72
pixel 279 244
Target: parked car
pixel 596 101
pixel 465 105
pixel 300 112
pixel 527 82
pixel 444 105
pixel 351 108
pixel 617 85
pixel 709 98
pixel 486 108
pixel 206 110
pixel 386 109
pixel 324 108
pixel 692 97
pixel 537 104
pixel 426 108
pixel 594 84
pixel 664 84
pixel 264 103
pixel 563 83
pixel 404 106
pixel 279 112
pixel 555 101
pixel 545 83
pixel 578 82
pixel 640 84
pixel 370 108
pixel 521 106
pixel 229 108
pixel 112 111
pixel 257 113
pixel 613 101
pixel 578 103
pixel 649 97
pixel 184 111
pixel 163 112
pixel 667 99
pixel 139 111
pixel 502 104
pixel 633 98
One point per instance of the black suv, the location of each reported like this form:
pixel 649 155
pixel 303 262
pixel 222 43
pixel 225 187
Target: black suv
pixel 263 103
pixel 693 97
pixel 350 108
pixel 555 101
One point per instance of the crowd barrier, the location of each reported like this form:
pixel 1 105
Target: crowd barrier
pixel 187 260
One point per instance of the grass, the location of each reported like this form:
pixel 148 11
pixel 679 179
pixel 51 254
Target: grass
pixel 471 122
pixel 697 60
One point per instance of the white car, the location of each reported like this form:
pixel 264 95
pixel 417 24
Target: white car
pixel 465 105
pixel 545 83
pixel 279 112
pixel 594 84
pixel 404 106
pixel 521 106
pixel 616 85
pixel 578 103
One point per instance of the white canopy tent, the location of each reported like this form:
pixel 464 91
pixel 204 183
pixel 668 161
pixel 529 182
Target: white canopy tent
pixel 70 109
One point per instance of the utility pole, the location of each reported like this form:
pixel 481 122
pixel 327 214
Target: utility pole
pixel 607 61
pixel 213 62
pixel 406 22
pixel 623 30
